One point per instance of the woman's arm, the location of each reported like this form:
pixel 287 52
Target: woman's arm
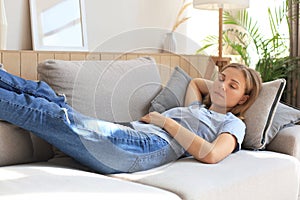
pixel 197 88
pixel 198 147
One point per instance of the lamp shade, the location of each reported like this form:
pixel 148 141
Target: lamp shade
pixel 216 4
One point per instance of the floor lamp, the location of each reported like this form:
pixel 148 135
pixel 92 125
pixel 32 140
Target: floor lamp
pixel 220 5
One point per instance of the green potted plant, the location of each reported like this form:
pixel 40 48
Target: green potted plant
pixel 272 53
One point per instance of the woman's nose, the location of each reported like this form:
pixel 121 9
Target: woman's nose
pixel 223 86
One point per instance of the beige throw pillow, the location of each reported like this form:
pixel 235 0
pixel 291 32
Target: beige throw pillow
pixel 112 90
pixel 259 116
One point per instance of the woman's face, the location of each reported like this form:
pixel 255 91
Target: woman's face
pixel 228 90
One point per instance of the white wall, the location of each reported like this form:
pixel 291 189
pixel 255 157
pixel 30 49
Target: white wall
pixel 112 25
pixel 120 24
pixel 125 25
pixel 18 33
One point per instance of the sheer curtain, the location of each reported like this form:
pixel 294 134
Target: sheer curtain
pixel 292 95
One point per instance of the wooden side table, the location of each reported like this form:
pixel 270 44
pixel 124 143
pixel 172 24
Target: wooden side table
pixel 221 61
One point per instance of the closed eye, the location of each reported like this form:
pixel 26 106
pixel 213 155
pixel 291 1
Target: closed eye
pixel 234 86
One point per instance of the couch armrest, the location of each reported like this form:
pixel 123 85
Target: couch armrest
pixel 287 141
pixel 19 146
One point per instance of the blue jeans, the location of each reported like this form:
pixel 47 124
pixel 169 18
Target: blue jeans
pixel 102 146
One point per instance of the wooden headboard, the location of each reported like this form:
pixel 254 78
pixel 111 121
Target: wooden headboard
pixel 24 63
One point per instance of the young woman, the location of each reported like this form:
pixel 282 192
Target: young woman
pixel 208 131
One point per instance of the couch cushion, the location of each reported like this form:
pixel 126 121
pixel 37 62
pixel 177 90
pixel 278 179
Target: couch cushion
pixel 113 90
pixel 46 181
pixel 15 145
pixel 243 175
pixel 287 141
pixel 19 146
pixel 285 116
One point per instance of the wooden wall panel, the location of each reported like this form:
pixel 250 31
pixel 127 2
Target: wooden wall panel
pixel 43 56
pixel 194 62
pixel 156 58
pixel 165 68
pixel 174 61
pixel 62 56
pixel 131 56
pixel 93 56
pixel 28 65
pixel 120 56
pixel 12 62
pixel 184 64
pixel 210 67
pixel 108 56
pixel 78 56
pixel 24 63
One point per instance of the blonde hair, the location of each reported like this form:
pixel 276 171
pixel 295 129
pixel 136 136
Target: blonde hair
pixel 253 87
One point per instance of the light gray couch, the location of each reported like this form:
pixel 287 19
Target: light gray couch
pixel 122 91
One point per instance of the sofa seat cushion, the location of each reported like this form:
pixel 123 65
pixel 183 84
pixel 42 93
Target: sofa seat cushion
pixel 46 181
pixel 243 175
pixel 287 141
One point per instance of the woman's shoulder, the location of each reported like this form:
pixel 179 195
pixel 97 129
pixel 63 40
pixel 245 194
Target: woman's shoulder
pixel 230 117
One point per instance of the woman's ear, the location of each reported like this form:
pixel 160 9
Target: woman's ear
pixel 243 99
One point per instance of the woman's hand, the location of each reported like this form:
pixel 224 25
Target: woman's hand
pixel 197 88
pixel 155 118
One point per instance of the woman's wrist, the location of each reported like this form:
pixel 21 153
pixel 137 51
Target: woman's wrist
pixel 171 126
pixel 157 119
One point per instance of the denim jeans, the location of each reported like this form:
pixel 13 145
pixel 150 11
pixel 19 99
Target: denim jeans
pixel 104 147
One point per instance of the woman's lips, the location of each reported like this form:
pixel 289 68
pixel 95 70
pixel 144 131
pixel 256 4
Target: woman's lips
pixel 219 94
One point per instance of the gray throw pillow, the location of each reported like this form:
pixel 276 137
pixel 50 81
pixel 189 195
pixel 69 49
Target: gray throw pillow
pixel 285 116
pixel 173 94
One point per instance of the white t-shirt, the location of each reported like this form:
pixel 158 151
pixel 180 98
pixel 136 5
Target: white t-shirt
pixel 206 123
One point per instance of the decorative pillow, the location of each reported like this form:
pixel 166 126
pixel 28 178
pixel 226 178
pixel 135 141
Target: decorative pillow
pixel 112 90
pixel 285 116
pixel 259 116
pixel 172 95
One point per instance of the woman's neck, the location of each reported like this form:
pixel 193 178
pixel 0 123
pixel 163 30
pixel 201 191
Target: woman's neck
pixel 219 109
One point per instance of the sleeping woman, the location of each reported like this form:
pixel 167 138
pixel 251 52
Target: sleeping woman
pixel 210 126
